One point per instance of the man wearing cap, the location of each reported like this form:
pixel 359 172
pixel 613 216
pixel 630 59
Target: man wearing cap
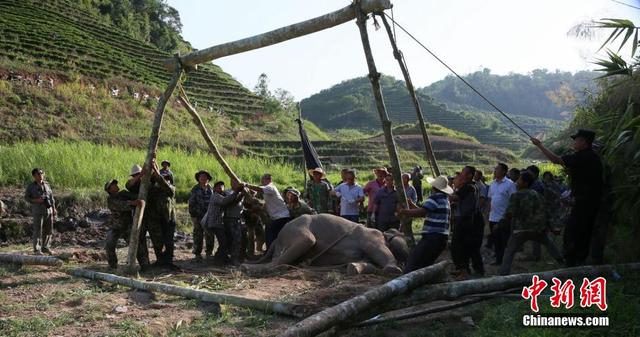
pixel 317 192
pixel 121 204
pixel 585 169
pixel 296 206
pixel 198 204
pixel 435 231
pixel 43 211
pixel 166 171
pixel 370 189
pixel 351 195
pixel 274 205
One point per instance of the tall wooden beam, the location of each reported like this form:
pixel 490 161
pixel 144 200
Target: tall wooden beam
pixel 435 170
pixel 279 35
pixel 374 76
pixel 146 179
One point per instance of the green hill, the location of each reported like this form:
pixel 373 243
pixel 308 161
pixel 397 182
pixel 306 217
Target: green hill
pixel 539 93
pixel 350 105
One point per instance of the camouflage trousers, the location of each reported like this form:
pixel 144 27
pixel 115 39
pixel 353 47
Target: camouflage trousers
pixel 111 243
pixel 161 233
pixel 237 233
pixel 42 229
pixel 200 235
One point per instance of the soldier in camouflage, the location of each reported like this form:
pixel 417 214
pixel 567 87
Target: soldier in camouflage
pixel 317 193
pixel 43 211
pixel 528 220
pixel 296 206
pixel 255 219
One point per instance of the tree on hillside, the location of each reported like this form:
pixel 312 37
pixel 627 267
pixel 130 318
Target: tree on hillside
pixel 282 102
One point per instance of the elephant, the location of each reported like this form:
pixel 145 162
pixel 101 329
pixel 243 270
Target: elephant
pixel 329 240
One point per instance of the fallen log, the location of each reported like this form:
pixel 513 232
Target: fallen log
pixel 454 290
pixel 344 311
pixel 288 309
pixel 31 259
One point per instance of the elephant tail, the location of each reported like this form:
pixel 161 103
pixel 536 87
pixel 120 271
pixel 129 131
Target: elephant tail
pixel 267 256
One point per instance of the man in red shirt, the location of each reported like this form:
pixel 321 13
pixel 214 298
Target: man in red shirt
pixel 370 189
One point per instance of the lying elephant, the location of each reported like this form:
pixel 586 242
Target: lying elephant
pixel 329 240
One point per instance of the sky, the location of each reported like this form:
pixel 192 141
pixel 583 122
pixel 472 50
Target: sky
pixel 502 35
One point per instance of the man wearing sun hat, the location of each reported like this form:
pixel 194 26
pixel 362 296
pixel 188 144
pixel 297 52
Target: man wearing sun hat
pixel 317 192
pixel 198 204
pixel 435 231
pixel 585 170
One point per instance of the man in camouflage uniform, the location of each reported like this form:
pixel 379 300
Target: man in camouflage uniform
pixel 255 219
pixel 121 204
pixel 296 206
pixel 528 221
pixel 198 203
pixel 233 226
pixel 215 223
pixel 43 211
pixel 317 193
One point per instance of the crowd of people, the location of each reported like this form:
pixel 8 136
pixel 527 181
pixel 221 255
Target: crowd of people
pixel 516 206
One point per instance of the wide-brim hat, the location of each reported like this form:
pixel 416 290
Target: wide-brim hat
pixel 165 162
pixel 441 183
pixel 209 177
pixel 589 135
pixel 380 169
pixel 135 169
pixel 319 170
pixel 292 191
pixel 109 183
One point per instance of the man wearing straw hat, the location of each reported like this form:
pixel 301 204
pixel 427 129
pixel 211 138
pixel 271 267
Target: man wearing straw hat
pixel 435 231
pixel 370 189
pixel 317 192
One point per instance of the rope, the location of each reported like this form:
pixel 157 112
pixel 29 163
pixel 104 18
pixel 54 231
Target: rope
pixel 459 77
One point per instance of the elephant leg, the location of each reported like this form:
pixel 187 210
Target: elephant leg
pixel 378 252
pixel 300 246
pixel 357 268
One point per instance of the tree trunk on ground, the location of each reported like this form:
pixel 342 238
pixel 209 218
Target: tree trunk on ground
pixel 435 170
pixel 374 77
pixel 346 310
pixel 279 35
pixel 144 184
pixel 288 309
pixel 31 259
pixel 454 290
pixel 203 130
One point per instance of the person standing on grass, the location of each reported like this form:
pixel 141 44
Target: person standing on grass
pixel 121 204
pixel 435 231
pixel 526 217
pixel 274 205
pixel 385 206
pixel 370 189
pixel 318 190
pixel 585 170
pixel 198 204
pixel 500 191
pixel 43 211
pixel 220 200
pixel 468 233
pixel 351 195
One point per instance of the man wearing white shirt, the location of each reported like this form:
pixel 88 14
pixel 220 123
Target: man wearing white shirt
pixel 274 205
pixel 350 194
pixel 499 193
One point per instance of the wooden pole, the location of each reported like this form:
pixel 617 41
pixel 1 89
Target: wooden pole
pixel 182 98
pixel 304 161
pixel 144 184
pixel 374 77
pixel 289 309
pixel 435 170
pixel 31 259
pixel 346 310
pixel 279 35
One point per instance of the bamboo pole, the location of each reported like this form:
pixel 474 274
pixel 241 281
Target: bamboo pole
pixel 374 77
pixel 435 170
pixel 344 311
pixel 144 184
pixel 31 259
pixel 454 290
pixel 278 35
pixel 182 98
pixel 289 309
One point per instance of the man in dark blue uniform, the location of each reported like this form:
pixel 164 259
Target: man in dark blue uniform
pixel 585 172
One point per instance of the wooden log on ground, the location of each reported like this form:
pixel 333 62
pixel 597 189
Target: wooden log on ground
pixel 278 35
pixel 344 311
pixel 146 179
pixel 289 309
pixel 31 259
pixel 454 290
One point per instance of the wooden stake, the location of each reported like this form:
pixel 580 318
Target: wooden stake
pixel 374 76
pixel 279 35
pixel 203 130
pixel 346 310
pixel 31 259
pixel 288 309
pixel 144 184
pixel 435 170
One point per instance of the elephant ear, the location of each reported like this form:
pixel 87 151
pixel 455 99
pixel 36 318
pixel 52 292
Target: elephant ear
pixel 397 245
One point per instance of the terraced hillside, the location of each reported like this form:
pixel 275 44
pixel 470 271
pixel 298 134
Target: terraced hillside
pixel 56 35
